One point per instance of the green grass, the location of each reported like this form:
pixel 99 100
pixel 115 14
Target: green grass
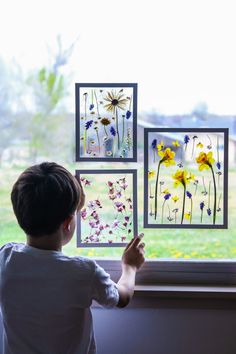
pixel 160 243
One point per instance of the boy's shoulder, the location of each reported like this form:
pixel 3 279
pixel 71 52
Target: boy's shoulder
pixel 79 262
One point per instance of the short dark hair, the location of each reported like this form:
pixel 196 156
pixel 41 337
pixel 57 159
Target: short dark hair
pixel 43 197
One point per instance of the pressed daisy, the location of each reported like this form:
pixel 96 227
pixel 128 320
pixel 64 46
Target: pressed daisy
pixel 115 100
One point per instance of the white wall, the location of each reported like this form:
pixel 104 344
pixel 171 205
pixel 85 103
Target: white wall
pixel 164 331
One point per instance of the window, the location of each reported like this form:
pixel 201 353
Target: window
pixel 177 89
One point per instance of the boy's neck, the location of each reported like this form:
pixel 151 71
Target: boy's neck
pixel 47 242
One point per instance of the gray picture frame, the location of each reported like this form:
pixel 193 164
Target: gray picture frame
pixel 133 172
pixel 134 86
pixel 225 132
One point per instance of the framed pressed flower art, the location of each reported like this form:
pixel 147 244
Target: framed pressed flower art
pixel 106 122
pixel 185 178
pixel 109 216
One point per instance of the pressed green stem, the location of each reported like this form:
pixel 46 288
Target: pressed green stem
pixel 156 188
pixel 117 129
pixel 123 130
pixel 154 155
pixel 182 218
pixel 98 141
pixel 214 208
pixel 191 211
pixel 162 213
pixel 105 130
pixel 95 95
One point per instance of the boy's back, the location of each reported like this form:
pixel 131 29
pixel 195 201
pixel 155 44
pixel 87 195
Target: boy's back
pixel 45 300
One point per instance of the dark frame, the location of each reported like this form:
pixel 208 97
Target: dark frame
pixel 77 121
pixel 133 172
pixel 225 131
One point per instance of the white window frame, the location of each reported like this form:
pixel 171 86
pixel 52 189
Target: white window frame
pixel 166 271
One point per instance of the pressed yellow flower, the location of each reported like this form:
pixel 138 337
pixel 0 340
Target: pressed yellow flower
pixel 180 177
pixel 151 174
pixel 160 146
pixel 205 161
pixel 187 216
pixel 200 145
pixel 166 191
pixel 115 100
pixel 167 157
pixel 176 143
pixel 175 198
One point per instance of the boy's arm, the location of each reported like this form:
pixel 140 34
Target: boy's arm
pixel 132 259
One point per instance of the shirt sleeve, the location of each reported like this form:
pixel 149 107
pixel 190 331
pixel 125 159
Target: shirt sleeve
pixel 104 290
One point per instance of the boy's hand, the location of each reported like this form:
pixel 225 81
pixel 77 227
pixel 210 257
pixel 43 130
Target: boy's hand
pixel 134 253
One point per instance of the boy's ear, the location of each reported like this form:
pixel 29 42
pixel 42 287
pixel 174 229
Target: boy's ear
pixel 66 223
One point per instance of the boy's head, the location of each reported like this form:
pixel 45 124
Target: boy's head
pixel 44 196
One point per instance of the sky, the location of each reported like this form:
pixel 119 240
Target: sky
pixel 179 52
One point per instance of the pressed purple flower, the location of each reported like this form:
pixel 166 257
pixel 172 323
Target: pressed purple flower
pixel 110 184
pixel 123 238
pixel 167 196
pixel 218 165
pixel 92 224
pixel 209 211
pixel 83 213
pixel 115 224
pixel 88 124
pixel 154 143
pixel 127 218
pixel 113 131
pixel 189 194
pixel 128 114
pixel 91 107
pixel 202 205
pixel 118 204
pixel 186 139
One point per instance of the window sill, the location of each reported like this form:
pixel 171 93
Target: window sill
pixel 182 296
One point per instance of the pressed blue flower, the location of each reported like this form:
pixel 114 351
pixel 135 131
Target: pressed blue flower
pixel 88 124
pixel 154 143
pixel 202 205
pixel 209 211
pixel 189 194
pixel 128 114
pixel 113 131
pixel 91 107
pixel 186 139
pixel 218 165
pixel 167 196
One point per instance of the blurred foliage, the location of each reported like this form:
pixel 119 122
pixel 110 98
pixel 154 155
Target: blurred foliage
pixel 32 110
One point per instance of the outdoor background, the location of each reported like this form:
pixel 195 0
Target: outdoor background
pixel 186 74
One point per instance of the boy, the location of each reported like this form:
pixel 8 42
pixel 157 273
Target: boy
pixel 45 295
